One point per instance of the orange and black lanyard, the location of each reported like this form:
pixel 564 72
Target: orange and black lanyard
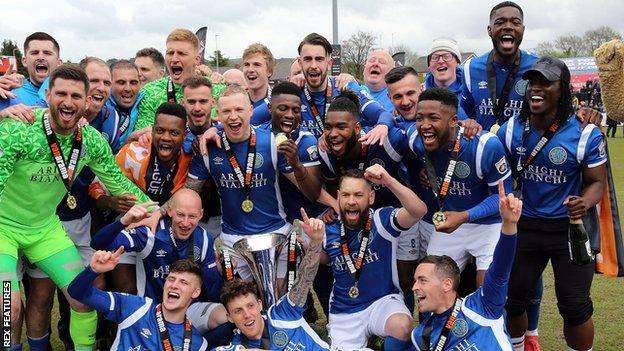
pixel 164 332
pixel 355 268
pixel 66 170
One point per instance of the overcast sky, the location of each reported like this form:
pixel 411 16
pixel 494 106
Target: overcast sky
pixel 114 28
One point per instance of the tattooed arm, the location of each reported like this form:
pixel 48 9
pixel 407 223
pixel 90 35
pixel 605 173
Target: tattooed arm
pixel 315 228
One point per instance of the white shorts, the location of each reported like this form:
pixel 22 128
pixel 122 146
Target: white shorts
pixel 213 226
pixel 350 331
pixel 79 231
pixel 414 241
pixel 478 240
pixel 199 314
pixel 228 240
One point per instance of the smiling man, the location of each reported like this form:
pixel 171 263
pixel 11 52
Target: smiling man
pixel 475 322
pixel 283 326
pixel 245 169
pixel 547 139
pixel 361 246
pixel 493 87
pixel 27 162
pixel 463 175
pixel 143 323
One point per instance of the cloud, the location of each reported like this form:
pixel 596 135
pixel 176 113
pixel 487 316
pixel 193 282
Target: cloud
pixel 118 28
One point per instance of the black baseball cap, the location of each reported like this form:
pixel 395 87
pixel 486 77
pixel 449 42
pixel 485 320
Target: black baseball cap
pixel 553 69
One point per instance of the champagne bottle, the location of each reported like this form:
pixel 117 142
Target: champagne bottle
pixel 578 243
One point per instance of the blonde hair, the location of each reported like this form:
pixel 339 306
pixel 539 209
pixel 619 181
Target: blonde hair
pixel 231 90
pixel 185 35
pixel 257 48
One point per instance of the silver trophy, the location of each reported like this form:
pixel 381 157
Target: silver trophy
pixel 261 252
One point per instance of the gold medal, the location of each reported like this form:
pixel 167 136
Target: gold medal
pixel 354 292
pixel 247 205
pixel 280 138
pixel 438 218
pixel 494 128
pixel 71 202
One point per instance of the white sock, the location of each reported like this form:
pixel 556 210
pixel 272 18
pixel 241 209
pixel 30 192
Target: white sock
pixel 518 343
pixel 531 333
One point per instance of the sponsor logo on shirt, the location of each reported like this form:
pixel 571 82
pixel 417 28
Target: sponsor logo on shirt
pixel 602 149
pixel 520 150
pixel 501 165
pixel 146 333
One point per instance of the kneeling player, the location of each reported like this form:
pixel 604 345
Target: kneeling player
pixel 366 298
pixel 283 327
pixel 142 322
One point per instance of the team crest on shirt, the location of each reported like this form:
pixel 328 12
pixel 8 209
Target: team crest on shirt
pixel 521 86
pixel 482 84
pixel 520 150
pixel 501 165
pixel 461 328
pixel 462 170
pixel 313 152
pixel 161 253
pixel 557 155
pixel 259 161
pixel 377 161
pixel 279 338
pixel 218 160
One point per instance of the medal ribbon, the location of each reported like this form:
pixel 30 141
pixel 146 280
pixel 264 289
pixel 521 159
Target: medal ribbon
pixel 228 270
pixel 546 137
pixel 164 333
pixel 171 98
pixel 245 180
pixel 355 268
pixel 440 191
pixel 190 254
pixel 499 104
pixel 448 326
pixel 66 170
pixel 291 266
pixel 314 109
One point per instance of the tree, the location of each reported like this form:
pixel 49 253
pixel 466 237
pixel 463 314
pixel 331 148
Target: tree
pixel 410 56
pixel 218 59
pixel 355 51
pixel 573 45
pixel 10 48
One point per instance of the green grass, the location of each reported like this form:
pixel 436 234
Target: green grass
pixel 607 293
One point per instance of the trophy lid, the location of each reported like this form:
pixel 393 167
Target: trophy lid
pixel 259 242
